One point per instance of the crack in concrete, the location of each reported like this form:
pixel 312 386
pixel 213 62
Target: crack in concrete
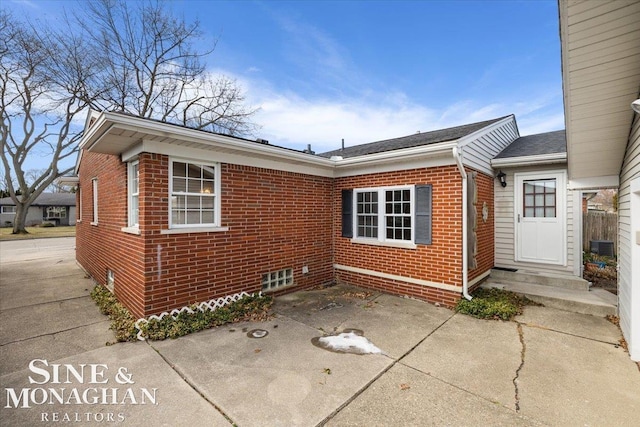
pixel 52 333
pixel 393 363
pixel 517 375
pixel 191 384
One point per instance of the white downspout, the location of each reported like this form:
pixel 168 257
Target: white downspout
pixel 457 155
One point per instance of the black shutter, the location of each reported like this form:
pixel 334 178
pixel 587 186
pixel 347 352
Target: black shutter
pixel 423 214
pixel 347 213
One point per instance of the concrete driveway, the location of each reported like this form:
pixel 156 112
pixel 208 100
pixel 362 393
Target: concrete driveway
pixel 549 367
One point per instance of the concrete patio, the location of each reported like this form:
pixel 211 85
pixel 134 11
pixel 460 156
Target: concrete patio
pixel 549 367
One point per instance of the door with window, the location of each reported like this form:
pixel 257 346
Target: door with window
pixel 540 217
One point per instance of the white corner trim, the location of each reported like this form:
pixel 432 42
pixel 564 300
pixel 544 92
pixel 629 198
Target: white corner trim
pixel 194 230
pixel 131 230
pixel 412 280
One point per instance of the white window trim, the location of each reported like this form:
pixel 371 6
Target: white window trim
pixel 94 186
pixel 9 212
pixel 381 240
pixel 194 228
pixel 79 219
pixel 132 225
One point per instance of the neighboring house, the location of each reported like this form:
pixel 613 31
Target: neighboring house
pixel 601 78
pixel 537 218
pixel 57 208
pixel 170 215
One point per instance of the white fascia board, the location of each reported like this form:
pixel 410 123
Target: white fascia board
pixel 67 180
pixel 107 121
pixel 235 158
pixel 599 182
pixel 443 148
pixel 465 140
pixel 431 161
pixel 540 159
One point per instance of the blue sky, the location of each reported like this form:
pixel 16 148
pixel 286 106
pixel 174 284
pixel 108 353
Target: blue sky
pixel 321 71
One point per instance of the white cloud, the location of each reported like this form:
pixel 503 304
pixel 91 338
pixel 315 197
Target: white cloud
pixel 292 120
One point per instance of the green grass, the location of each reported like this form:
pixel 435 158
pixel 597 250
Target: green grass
pixel 38 232
pixel 493 304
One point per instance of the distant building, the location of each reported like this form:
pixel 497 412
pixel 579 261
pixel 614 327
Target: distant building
pixel 56 208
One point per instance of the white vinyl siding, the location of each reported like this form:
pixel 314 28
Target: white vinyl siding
pixel 479 152
pixel 628 295
pixel 505 226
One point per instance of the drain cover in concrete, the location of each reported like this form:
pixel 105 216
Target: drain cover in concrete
pixel 257 333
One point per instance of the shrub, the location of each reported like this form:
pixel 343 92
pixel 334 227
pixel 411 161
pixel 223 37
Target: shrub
pixel 493 303
pixel 122 322
pixel 252 308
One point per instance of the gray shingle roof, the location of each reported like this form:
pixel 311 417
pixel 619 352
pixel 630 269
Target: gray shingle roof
pixel 532 145
pixel 47 199
pixel 415 140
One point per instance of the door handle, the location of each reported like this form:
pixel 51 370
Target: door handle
pixel 518 217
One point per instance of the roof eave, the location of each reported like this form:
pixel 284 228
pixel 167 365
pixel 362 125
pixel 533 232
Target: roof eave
pixel 109 121
pixel 440 148
pixel 535 160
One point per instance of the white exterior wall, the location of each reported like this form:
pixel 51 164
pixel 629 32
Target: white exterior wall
pixel 629 244
pixel 505 244
pixel 479 151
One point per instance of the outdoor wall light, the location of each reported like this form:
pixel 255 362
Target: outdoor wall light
pixel 503 178
pixel 635 105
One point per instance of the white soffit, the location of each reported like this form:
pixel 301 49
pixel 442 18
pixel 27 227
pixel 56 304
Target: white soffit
pixel 601 77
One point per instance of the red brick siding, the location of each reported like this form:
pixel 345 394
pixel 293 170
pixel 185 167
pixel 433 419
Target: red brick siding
pixel 104 246
pixel 484 230
pixel 276 220
pixel 395 287
pixel 439 262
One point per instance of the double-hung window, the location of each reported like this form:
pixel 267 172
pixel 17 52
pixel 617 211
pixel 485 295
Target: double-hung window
pixel 133 184
pixel 384 214
pixel 195 195
pixel 399 215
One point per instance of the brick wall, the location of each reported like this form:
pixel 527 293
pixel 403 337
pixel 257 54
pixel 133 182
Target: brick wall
pixel 276 220
pixel 439 262
pixel 104 246
pixel 484 230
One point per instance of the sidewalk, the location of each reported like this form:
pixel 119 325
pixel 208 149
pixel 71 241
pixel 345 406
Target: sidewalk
pixel 549 367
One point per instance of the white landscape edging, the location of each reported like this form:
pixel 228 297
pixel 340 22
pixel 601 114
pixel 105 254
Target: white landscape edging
pixel 211 305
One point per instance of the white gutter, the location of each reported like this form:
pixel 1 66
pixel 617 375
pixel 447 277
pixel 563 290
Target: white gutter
pixel 457 155
pixel 538 159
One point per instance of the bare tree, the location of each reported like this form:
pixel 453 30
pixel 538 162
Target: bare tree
pixel 152 68
pixel 42 87
pixel 129 57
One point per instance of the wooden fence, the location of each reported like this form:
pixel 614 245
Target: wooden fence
pixel 599 226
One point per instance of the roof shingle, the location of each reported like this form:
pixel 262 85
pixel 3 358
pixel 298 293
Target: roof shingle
pixel 415 140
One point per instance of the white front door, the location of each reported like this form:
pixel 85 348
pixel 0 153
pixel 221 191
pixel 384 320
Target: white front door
pixel 540 216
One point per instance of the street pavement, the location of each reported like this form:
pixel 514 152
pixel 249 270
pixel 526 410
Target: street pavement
pixel 548 367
